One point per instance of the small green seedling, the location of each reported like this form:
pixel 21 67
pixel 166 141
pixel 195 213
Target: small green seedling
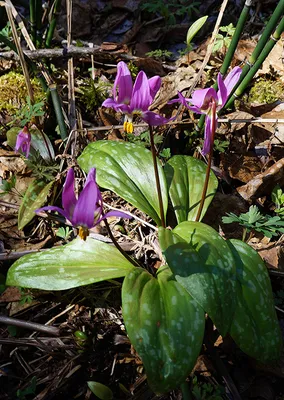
pixel 277 196
pixel 253 220
pixel 224 40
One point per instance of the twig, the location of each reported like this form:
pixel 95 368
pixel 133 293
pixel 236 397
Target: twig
pixel 51 330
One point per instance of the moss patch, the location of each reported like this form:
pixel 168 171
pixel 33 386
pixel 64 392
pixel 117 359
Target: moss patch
pixel 266 91
pixel 13 92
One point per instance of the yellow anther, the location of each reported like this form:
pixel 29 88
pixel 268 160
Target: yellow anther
pixel 128 127
pixel 83 232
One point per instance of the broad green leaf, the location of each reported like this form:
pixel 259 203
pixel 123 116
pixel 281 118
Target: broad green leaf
pixel 35 196
pixel 101 391
pixel 164 324
pixel 76 264
pixel 255 327
pixel 186 177
pixel 203 264
pixel 127 169
pixel 195 28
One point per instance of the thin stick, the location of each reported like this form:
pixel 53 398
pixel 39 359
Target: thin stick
pixel 205 187
pixel 51 330
pixel 158 185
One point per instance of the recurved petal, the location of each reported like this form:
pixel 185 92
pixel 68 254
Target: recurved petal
pixel 110 103
pixel 222 92
pixel 68 194
pixel 118 214
pixel 181 99
pixel 154 119
pixel 232 79
pixel 122 84
pixel 201 98
pixel 154 85
pixel 141 97
pixel 86 205
pixel 54 208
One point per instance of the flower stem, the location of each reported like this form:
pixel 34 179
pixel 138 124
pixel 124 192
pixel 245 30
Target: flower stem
pixel 186 393
pixel 205 187
pixel 157 176
pixel 133 262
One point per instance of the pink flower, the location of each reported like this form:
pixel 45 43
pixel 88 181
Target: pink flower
pixel 23 141
pixel 202 103
pixel 135 99
pixel 86 211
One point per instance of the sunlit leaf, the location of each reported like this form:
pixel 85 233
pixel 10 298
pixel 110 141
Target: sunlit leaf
pixel 195 28
pixel 35 196
pixel 255 327
pixel 127 169
pixel 76 264
pixel 186 177
pixel 202 263
pixel 164 324
pixel 101 391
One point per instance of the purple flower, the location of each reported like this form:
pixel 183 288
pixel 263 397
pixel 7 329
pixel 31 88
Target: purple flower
pixel 134 99
pixel 209 102
pixel 86 211
pixel 23 141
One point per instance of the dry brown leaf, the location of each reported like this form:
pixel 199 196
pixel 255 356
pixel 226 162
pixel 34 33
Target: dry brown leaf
pixel 264 183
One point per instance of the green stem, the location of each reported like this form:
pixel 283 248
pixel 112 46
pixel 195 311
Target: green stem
pixel 159 192
pixel 33 20
pixel 55 11
pixel 58 111
pixel 278 12
pixel 38 17
pixel 253 70
pixel 186 393
pixel 210 155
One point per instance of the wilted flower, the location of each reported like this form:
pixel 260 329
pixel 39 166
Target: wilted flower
pixel 209 102
pixel 135 100
pixel 23 141
pixel 86 211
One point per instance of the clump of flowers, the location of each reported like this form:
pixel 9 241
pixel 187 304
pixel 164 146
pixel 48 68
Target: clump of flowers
pixel 209 102
pixel 87 211
pixel 135 99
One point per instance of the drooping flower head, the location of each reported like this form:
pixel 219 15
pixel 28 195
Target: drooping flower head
pixel 209 102
pixel 86 211
pixel 23 141
pixel 134 99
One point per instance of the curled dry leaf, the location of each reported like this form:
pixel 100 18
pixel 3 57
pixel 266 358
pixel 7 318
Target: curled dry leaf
pixel 264 183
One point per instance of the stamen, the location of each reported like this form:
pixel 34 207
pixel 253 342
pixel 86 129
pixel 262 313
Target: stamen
pixel 83 232
pixel 128 127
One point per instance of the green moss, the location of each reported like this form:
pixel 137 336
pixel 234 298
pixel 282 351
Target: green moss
pixel 266 91
pixel 13 92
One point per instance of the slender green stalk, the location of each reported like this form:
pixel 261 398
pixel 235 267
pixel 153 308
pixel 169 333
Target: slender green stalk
pixel 231 50
pixel 55 11
pixel 210 155
pixel 58 111
pixel 272 23
pixel 38 17
pixel 33 20
pixel 159 192
pixel 253 70
pixel 236 37
pixel 186 393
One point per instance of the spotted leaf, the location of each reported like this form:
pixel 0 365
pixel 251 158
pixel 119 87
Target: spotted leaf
pixel 255 327
pixel 164 324
pixel 76 264
pixel 203 264
pixel 35 196
pixel 185 176
pixel 127 169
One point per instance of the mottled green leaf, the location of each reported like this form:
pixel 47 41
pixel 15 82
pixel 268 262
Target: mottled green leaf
pixel 164 324
pixel 35 196
pixel 255 327
pixel 101 391
pixel 186 176
pixel 203 264
pixel 127 169
pixel 76 264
